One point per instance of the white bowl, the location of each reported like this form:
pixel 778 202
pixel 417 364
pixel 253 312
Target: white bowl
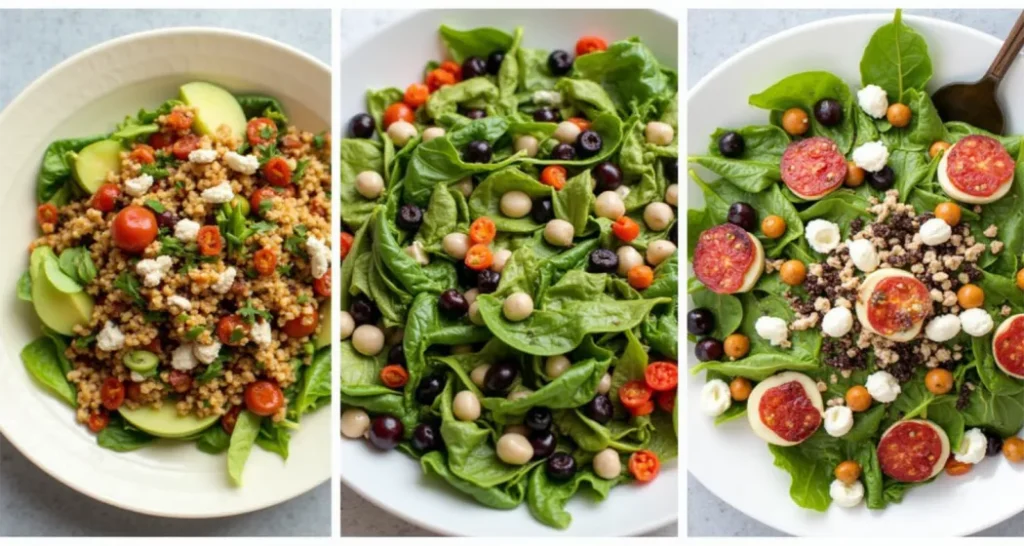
pixel 87 94
pixel 730 460
pixel 394 481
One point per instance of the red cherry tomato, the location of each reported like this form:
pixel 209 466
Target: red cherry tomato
pixel 161 140
pixel 105 198
pixel 229 419
pixel 322 286
pixel 46 214
pixel 398 111
pixel 184 146
pixel 644 465
pixel 133 229
pixel 634 394
pixel 180 381
pixel 662 376
pixel 261 131
pixel 303 325
pixel 98 421
pixel 666 400
pixel 208 240
pixel 179 120
pixel 626 229
pixel 590 44
pixel 112 393
pixel 278 172
pixel 346 243
pixel 263 398
pixel 143 154
pixel 231 329
pixel 265 261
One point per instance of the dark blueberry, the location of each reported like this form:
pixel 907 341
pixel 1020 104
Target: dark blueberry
pixel 360 126
pixel 494 61
pixel 538 418
pixel 588 144
pixel 426 437
pixel 563 152
pixel 602 260
pixel 600 408
pixel 700 321
pixel 672 170
pixel 561 467
pixel 607 177
pixel 166 219
pixel 429 388
pixel 487 281
pixel 478 151
pixel 452 303
pixel 882 180
pixel 363 310
pixel 385 432
pixel 397 355
pixel 543 210
pixel 995 443
pixel 545 114
pixel 544 444
pixel 743 215
pixel 473 67
pixel 475 113
pixel 828 112
pixel 709 349
pixel 731 144
pixel 559 62
pixel 467 277
pixel 499 378
pixel 409 217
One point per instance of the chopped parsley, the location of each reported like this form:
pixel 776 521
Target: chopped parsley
pixel 249 313
pixel 237 334
pixel 319 141
pixel 155 205
pixel 300 170
pixel 84 341
pixel 155 171
pixel 267 152
pixel 265 206
pixel 295 244
pixel 194 332
pixel 129 284
pixel 244 148
pixel 303 298
pixel 284 270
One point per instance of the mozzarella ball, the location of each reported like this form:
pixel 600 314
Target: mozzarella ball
pixel 514 449
pixel 369 184
pixel 871 156
pixel 418 253
pixel 715 397
pixel 606 384
pixel 354 423
pixel 466 406
pixel 528 143
pixel 972 447
pixel 478 374
pixel 471 295
pixel 822 235
pixel 943 328
pixel 368 340
pixel 976 322
pixel 607 464
pixel 883 387
pixel 401 132
pixel 609 205
pixel 556 365
pixel 474 314
pixel 838 421
pixel 566 132
pixel 348 324
pixel 465 186
pixel 515 204
pixel 559 233
pixel 658 216
pixel 518 307
pixel 629 258
pixel 659 251
pixel 864 255
pixel 455 245
pixel 659 133
pixel 874 101
pixel 772 329
pixel 500 259
pixel 846 496
pixel 837 322
pixel 935 232
pixel 671 194
pixel 430 133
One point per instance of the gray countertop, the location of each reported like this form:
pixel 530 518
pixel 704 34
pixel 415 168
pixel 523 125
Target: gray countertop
pixel 358 516
pixel 714 36
pixel 31 502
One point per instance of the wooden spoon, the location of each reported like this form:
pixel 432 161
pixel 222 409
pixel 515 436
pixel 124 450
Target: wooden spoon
pixel 975 103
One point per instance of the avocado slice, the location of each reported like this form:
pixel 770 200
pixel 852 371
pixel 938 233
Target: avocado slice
pixel 215 106
pixel 59 310
pixel 323 337
pixel 94 162
pixel 165 422
pixel 59 279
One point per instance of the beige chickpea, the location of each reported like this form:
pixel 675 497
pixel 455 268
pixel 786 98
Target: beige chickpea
pixel 474 314
pixel 514 449
pixel 466 406
pixel 607 464
pixel 500 259
pixel 558 232
pixel 629 258
pixel 354 423
pixel 566 132
pixel 401 132
pixel 471 295
pixel 418 253
pixel 556 365
pixel 672 195
pixel 348 325
pixel 456 245
pixel 609 205
pixel 658 216
pixel 659 251
pixel 659 133
pixel 478 374
pixel 368 340
pixel 369 184
pixel 465 186
pixel 430 133
pixel 515 204
pixel 606 384
pixel 528 143
pixel 518 307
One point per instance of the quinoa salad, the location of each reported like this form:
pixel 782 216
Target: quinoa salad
pixel 182 276
pixel 858 289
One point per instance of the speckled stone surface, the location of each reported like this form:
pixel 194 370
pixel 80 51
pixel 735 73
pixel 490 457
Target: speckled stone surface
pixel 358 516
pixel 31 502
pixel 713 37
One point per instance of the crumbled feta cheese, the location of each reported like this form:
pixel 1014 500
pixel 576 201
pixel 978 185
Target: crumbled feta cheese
pixel 976 322
pixel 206 353
pixel 549 98
pixel 772 329
pixel 822 235
pixel 935 232
pixel 873 100
pixel 224 282
pixel 179 302
pixel 137 377
pixel 864 255
pixel 319 256
pixel 261 334
pixel 110 338
pixel 186 230
pixel 838 421
pixel 245 164
pixel 221 193
pixel 715 398
pixel 943 328
pixel 182 358
pixel 202 155
pixel 972 447
pixel 883 387
pixel 837 322
pixel 139 185
pixel 871 156
pixel 845 495
pixel 152 271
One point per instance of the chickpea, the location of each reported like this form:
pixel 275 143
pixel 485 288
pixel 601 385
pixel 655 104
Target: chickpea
pixel 609 205
pixel 354 423
pixel 739 389
pixel 528 143
pixel 471 295
pixel 938 381
pixel 970 296
pixel 474 314
pixel 671 194
pixel 658 216
pixel 773 226
pixel 556 365
pixel 629 257
pixel 478 374
pixel 898 114
pixel 514 449
pixel 793 272
pixel 737 346
pixel 938 147
pixel 518 307
pixel 948 212
pixel 369 184
pixel 430 133
pixel 558 232
pixel 848 472
pixel 417 252
pixel 1020 279
pixel 348 325
pixel 515 204
pixel 659 133
pixel 566 132
pixel 368 340
pixel 607 464
pixel 858 398
pixel 455 245
pixel 1013 449
pixel 465 186
pixel 795 121
pixel 659 251
pixel 606 384
pixel 500 259
pixel 854 175
pixel 466 406
pixel 401 132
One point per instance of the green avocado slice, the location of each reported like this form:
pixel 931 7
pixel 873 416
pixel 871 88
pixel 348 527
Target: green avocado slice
pixel 94 162
pixel 58 309
pixel 165 422
pixel 214 106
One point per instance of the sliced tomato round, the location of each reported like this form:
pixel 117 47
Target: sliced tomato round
pixel 635 394
pixel 644 465
pixel 662 376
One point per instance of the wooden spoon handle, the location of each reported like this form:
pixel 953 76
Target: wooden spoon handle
pixel 1008 53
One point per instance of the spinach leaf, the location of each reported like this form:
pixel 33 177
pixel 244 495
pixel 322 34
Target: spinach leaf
pixel 810 464
pixel 358 155
pixel 502 498
pixel 43 361
pixel 925 126
pixel 486 199
pixel 55 171
pixel 840 207
pixel 316 383
pixel 534 74
pixel 758 167
pixel 120 436
pixel 508 78
pixel 573 202
pixel 586 95
pixel 726 308
pixel 262 106
pixel 1002 413
pixel 474 92
pixel 24 288
pixel 478 42
pixel 247 428
pixel 274 438
pixel 547 499
pixel 758 367
pixel 77 264
pixel 896 59
pixel 214 440
pixel 628 71
pixel 440 218
pixel 378 101
pixel 805 89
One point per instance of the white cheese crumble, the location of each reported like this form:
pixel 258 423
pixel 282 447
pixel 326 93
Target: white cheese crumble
pixel 206 353
pixel 871 156
pixel 550 98
pixel 935 232
pixel 715 398
pixel 261 334
pixel 110 337
pixel 224 282
pixel 152 271
pixel 182 358
pixel 186 230
pixel 822 235
pixel 245 164
pixel 221 193
pixel 972 447
pixel 772 329
pixel 139 185
pixel 846 496
pixel 943 328
pixel 873 100
pixel 202 155
pixel 837 322
pixel 179 302
pixel 976 322
pixel 883 387
pixel 319 256
pixel 838 421
pixel 864 255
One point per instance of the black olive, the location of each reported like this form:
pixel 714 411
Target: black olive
pixel 429 388
pixel 559 62
pixel 563 152
pixel 397 355
pixel 607 177
pixel 473 67
pixel 545 114
pixel 731 144
pixel 494 61
pixel 360 126
pixel 543 210
pixel 452 303
pixel 467 276
pixel 588 144
pixel 478 151
pixel 166 219
pixel 672 170
pixel 544 444
pixel 363 310
pixel 828 112
pixel 487 281
pixel 995 443
pixel 882 180
pixel 538 418
pixel 475 113
pixel 385 432
pixel 743 215
pixel 602 260
pixel 709 349
pixel 600 408
pixel 499 378
pixel 561 467
pixel 426 437
pixel 700 322
pixel 409 217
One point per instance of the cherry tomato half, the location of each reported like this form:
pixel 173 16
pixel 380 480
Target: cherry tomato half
pixel 303 325
pixel 322 286
pixel 482 231
pixel 346 243
pixel 394 376
pixel 230 418
pixel 180 381
pixel 208 240
pixel 160 141
pixel 644 465
pixel 634 394
pixel 453 68
pixel 184 146
pixel 134 228
pixel 554 176
pixel 626 229
pixel 263 398
pixel 646 408
pixel 46 214
pixel 439 78
pixel 398 111
pixel 261 131
pixel 590 44
pixel 105 198
pixel 143 153
pixel 662 376
pixel 112 393
pixel 278 172
pixel 666 400
pixel 231 329
pixel 98 421
pixel 265 261
pixel 179 120
pixel 479 257
pixel 415 95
